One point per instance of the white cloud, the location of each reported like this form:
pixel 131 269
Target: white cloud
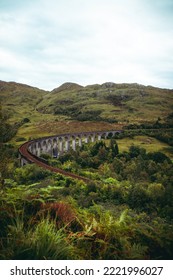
pixel 45 43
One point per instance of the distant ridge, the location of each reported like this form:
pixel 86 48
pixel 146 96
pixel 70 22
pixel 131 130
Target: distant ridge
pixel 15 85
pixel 70 86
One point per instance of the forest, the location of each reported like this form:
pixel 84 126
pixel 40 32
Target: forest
pixel 123 212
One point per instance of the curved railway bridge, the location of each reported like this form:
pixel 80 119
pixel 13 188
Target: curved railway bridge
pixel 55 146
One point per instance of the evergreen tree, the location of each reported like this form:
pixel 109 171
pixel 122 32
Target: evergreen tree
pixel 114 148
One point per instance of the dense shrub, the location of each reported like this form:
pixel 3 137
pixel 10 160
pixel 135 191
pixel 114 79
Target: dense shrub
pixel 30 173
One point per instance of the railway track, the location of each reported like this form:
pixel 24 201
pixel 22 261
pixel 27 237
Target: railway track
pixel 23 150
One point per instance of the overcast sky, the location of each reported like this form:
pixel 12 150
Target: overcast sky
pixel 45 43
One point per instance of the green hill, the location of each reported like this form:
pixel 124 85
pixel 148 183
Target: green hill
pixel 19 101
pixel 109 102
pixel 66 108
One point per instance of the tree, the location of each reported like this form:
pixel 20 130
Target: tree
pixel 114 148
pixel 96 147
pixel 134 151
pixel 156 191
pixel 105 170
pixel 102 153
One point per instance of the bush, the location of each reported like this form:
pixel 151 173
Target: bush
pixel 25 120
pixel 158 157
pixel 30 173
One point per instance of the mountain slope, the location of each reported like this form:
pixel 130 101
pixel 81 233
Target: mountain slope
pixel 109 102
pixel 18 100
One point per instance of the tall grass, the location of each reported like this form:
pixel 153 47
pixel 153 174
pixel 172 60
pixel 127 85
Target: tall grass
pixel 43 241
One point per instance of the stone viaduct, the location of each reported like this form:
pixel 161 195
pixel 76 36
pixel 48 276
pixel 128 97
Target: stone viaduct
pixel 30 152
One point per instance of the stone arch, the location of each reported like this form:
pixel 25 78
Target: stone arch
pixel 60 145
pixel 73 139
pixel 54 141
pixel 44 146
pixel 67 143
pixel 116 134
pixel 89 137
pixel 98 136
pixel 93 136
pixel 86 138
pixel 103 136
pixel 109 135
pixel 49 146
pixel 80 140
pixel 54 148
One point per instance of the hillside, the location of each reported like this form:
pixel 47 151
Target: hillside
pixel 65 108
pixel 109 102
pixel 18 100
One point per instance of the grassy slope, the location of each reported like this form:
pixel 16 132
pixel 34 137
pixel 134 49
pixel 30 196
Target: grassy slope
pixel 149 143
pixel 121 102
pixel 19 101
pixel 65 108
